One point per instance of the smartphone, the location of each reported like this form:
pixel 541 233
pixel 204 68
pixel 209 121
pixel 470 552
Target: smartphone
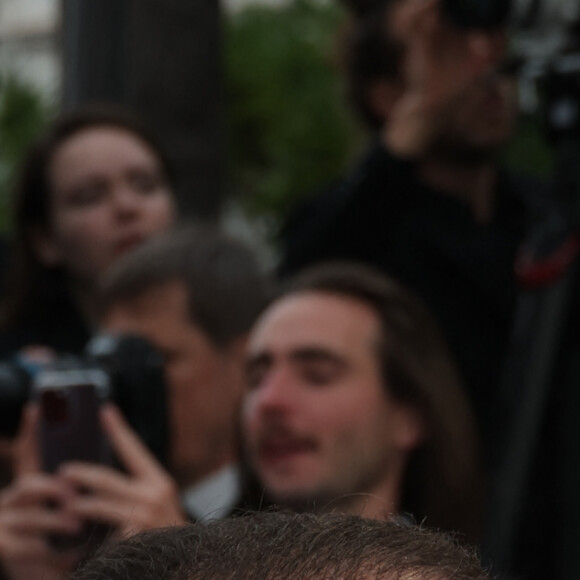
pixel 69 430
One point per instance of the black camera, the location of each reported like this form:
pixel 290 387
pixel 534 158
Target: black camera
pixel 521 14
pixel 478 13
pixel 135 374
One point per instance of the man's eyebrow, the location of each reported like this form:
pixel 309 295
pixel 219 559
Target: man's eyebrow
pixel 308 354
pixel 258 359
pixel 300 354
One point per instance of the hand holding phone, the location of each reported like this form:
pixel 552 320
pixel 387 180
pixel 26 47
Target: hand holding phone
pixel 140 497
pixel 25 521
pixel 69 430
pixel 69 427
pixel 75 431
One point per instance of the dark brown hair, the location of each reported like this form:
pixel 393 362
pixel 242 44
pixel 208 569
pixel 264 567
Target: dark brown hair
pixel 226 286
pixel 32 288
pixel 367 55
pixel 283 546
pixel 443 480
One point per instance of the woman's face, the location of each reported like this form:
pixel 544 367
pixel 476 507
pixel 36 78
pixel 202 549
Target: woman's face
pixel 108 194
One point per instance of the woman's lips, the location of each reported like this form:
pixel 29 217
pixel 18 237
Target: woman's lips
pixel 127 243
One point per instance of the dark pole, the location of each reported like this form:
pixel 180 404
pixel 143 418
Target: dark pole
pixel 93 52
pixel 162 58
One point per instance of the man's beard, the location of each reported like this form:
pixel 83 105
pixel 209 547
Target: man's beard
pixel 321 503
pixel 342 496
pixel 310 503
pixel 463 153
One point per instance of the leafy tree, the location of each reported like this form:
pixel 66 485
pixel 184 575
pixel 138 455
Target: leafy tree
pixel 289 128
pixel 23 114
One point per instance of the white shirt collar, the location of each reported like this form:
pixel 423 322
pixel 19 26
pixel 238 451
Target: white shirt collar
pixel 215 496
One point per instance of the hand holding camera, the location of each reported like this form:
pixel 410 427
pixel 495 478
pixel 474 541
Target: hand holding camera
pixel 67 488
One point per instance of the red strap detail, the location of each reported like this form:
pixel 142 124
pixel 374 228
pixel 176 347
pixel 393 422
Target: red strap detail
pixel 534 273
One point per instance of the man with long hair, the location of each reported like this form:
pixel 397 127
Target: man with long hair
pixel 353 404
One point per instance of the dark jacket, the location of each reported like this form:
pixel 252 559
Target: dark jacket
pixel 382 215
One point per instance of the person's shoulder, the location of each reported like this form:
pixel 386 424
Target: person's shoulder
pixel 310 210
pixel 372 178
pixel 326 225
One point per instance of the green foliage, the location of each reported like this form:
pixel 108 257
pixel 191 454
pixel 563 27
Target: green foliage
pixel 290 131
pixel 23 114
pixel 528 150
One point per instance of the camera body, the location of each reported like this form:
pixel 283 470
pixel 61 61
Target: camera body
pixel 135 383
pixel 525 15
pixel 478 13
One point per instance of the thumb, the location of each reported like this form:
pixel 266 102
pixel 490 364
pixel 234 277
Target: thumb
pixel 132 452
pixel 26 452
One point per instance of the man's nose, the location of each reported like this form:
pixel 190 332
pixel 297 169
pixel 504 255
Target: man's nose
pixel 277 392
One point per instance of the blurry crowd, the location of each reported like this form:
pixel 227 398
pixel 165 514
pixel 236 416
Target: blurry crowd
pixel 336 416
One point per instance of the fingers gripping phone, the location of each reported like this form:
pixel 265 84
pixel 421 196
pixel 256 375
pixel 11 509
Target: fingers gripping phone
pixel 69 430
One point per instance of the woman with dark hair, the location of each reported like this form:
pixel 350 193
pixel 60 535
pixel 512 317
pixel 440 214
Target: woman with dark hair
pixel 93 186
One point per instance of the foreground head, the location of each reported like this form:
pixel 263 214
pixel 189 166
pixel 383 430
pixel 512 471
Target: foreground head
pixel 354 403
pixel 281 546
pixel 95 184
pixel 194 293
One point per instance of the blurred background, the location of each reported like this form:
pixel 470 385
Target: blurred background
pixel 244 93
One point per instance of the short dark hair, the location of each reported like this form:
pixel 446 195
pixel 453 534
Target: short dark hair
pixel 226 287
pixel 32 288
pixel 284 546
pixel 368 54
pixel 443 479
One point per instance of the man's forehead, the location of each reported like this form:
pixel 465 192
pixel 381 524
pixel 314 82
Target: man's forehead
pixel 160 297
pixel 316 319
pixel 157 311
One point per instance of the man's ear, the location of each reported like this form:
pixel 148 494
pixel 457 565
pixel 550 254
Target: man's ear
pixel 238 348
pixel 236 352
pixel 409 427
pixel 45 247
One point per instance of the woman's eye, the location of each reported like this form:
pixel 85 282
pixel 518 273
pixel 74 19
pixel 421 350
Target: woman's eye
pixel 146 182
pixel 86 195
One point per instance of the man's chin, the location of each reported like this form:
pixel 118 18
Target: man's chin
pixel 302 500
pixel 467 154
